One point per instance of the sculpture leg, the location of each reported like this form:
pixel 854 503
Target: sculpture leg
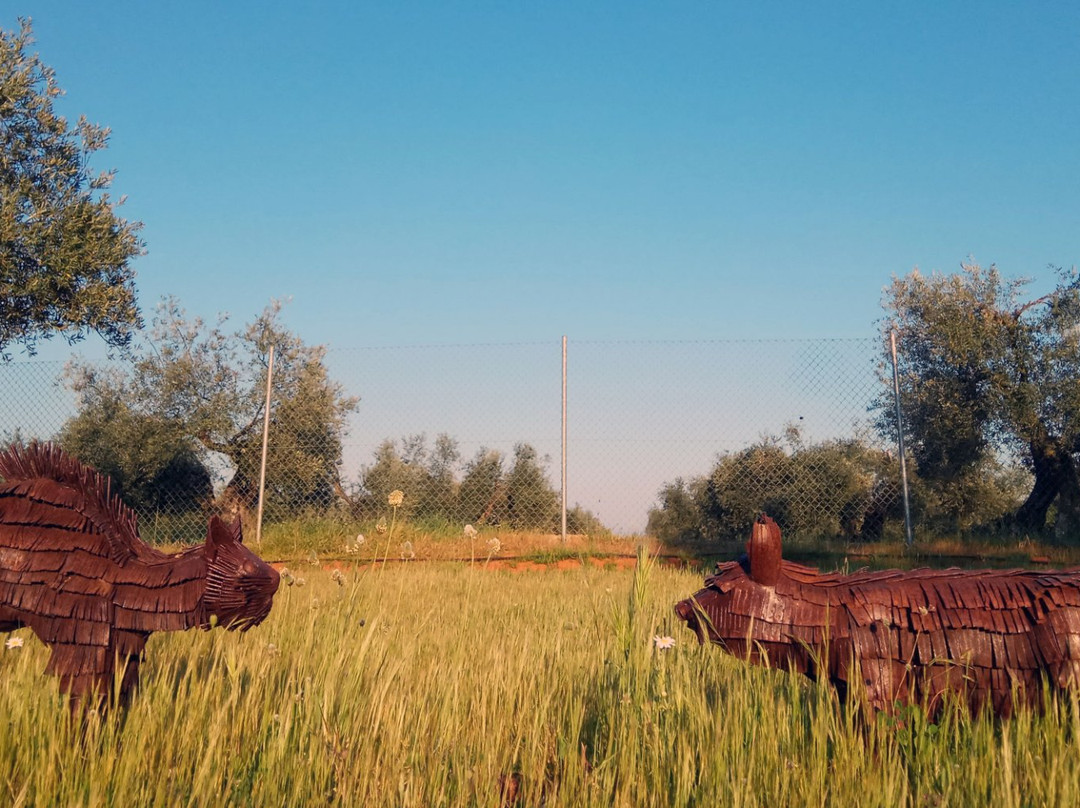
pixel 128 680
pixel 9 619
pixel 882 676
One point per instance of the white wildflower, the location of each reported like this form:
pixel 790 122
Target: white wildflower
pixel 470 532
pixel 380 526
pixel 395 498
pixel 663 643
pixel 407 551
pixel 494 545
pixel 14 642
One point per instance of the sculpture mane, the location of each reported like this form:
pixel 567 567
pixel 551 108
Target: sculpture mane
pixel 87 491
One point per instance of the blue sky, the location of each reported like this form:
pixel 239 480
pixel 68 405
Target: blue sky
pixel 485 172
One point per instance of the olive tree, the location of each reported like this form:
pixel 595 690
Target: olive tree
pixel 208 386
pixel 987 372
pixel 65 253
pixel 424 475
pixel 839 488
pixel 152 464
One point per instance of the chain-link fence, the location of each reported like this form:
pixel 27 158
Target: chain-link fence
pixel 473 434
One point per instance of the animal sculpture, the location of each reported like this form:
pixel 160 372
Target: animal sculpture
pixel 73 569
pixel 989 637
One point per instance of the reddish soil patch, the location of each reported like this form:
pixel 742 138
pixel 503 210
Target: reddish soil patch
pixel 525 565
pixel 622 562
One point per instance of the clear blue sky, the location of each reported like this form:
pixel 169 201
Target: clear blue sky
pixel 486 172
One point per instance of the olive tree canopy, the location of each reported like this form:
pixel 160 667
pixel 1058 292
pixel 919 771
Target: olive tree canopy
pixel 199 391
pixel 987 371
pixel 64 252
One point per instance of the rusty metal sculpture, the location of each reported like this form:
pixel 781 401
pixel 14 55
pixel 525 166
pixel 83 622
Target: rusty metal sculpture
pixel 896 636
pixel 73 569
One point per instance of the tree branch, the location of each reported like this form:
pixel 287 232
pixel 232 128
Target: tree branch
pixel 1032 304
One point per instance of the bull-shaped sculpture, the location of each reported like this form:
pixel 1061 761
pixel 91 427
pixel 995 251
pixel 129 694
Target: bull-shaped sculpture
pixel 896 636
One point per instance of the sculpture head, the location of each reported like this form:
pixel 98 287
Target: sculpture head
pixel 240 586
pixel 712 613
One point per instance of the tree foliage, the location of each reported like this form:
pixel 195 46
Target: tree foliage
pixel 987 374
pixel 530 500
pixel 425 476
pixel 837 488
pixel 484 490
pixel 151 463
pixel 846 489
pixel 64 252
pixel 202 389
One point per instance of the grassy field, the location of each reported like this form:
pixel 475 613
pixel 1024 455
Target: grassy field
pixel 305 539
pixel 445 684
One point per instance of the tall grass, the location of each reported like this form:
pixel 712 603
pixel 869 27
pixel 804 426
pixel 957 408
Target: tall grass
pixel 450 685
pixel 305 538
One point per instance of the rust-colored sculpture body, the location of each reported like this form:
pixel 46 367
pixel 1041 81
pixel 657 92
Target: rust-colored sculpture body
pixel 907 636
pixel 73 569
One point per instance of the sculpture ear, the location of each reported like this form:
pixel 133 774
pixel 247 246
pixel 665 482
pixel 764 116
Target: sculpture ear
pixel 219 534
pixel 764 551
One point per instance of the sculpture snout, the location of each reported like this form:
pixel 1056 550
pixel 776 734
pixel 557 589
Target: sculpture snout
pixel 684 610
pixel 687 611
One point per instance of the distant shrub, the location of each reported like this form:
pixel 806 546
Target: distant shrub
pixel 489 491
pixel 833 489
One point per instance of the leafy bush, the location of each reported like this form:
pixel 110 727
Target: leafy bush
pixel 833 489
pixel 486 493
pixel 152 464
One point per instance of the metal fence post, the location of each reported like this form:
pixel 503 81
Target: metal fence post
pixel 266 435
pixel 564 438
pixel 900 442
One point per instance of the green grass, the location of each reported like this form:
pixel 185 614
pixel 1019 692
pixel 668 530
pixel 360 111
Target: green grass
pixel 326 538
pixel 553 555
pixel 329 538
pixel 438 684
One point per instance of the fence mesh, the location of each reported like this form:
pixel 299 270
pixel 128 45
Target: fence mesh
pixel 472 434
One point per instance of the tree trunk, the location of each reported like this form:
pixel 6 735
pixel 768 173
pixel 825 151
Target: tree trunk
pixel 241 494
pixel 1067 524
pixel 883 500
pixel 1055 473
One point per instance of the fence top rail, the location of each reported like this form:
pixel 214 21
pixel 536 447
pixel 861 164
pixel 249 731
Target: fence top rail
pixel 556 341
pixel 728 341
